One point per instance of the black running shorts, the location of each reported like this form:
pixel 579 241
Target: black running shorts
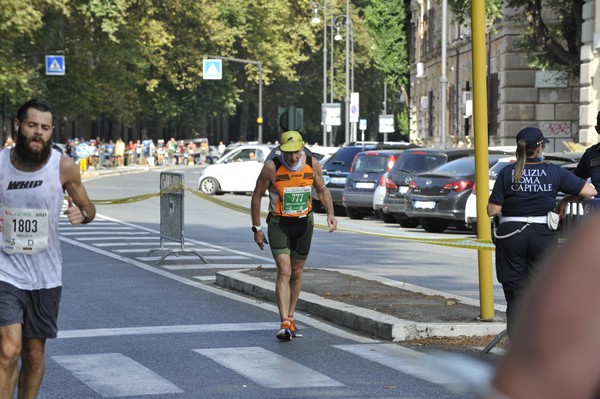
pixel 36 310
pixel 290 235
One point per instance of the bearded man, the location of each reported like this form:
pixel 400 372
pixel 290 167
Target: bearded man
pixel 33 179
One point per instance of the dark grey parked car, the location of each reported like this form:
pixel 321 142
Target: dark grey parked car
pixel 409 163
pixel 437 198
pixel 365 173
pixel 337 169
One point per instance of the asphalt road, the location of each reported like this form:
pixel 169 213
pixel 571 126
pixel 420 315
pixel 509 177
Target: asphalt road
pixel 132 328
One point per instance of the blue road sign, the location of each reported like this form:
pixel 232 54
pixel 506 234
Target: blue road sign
pixel 55 65
pixel 212 69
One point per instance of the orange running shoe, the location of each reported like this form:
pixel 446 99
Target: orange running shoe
pixel 285 332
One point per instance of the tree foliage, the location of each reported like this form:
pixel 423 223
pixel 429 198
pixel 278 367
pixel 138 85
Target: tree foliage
pixel 138 63
pixel 388 22
pixel 552 38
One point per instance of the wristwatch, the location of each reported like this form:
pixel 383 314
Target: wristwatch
pixel 85 215
pixel 256 228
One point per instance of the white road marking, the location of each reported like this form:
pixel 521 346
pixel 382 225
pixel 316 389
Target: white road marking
pixel 203 266
pixel 115 375
pixel 268 369
pixel 144 250
pixel 114 238
pixel 190 257
pixel 402 359
pixel 183 329
pixel 90 233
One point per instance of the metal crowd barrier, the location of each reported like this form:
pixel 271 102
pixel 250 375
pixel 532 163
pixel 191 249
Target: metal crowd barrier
pixel 172 189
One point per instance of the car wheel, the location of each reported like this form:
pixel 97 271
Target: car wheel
pixel 433 225
pixel 386 217
pixel 354 213
pixel 209 185
pixel 408 223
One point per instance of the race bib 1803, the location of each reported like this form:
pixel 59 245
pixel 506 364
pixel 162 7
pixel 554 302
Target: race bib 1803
pixel 25 231
pixel 295 200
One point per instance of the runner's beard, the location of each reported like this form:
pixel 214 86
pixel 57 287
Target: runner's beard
pixel 27 155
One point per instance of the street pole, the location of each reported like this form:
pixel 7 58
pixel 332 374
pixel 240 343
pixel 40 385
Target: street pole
pixel 443 78
pixel 260 82
pixel 486 288
pixel 347 98
pixel 323 109
pixel 385 136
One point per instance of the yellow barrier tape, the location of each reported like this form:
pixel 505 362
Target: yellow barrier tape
pixel 467 243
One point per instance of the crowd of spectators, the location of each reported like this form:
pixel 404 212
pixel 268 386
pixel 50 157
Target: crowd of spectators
pixel 97 153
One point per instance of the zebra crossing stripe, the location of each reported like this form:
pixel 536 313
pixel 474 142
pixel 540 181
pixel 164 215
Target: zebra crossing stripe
pixel 115 375
pixel 268 369
pixel 399 358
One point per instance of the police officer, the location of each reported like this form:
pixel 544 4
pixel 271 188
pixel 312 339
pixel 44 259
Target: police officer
pixel 523 195
pixel 589 164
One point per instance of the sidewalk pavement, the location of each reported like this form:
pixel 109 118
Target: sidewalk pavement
pixel 383 308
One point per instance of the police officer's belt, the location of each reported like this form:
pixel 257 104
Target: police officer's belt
pixel 524 219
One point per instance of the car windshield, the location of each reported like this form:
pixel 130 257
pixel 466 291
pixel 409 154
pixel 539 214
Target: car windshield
pixel 419 161
pixel 344 156
pixel 494 170
pixel 370 163
pixel 461 165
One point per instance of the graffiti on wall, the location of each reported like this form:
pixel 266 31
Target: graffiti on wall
pixel 556 129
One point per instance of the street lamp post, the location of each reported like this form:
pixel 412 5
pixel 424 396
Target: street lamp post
pixel 348 28
pixel 316 8
pixel 260 84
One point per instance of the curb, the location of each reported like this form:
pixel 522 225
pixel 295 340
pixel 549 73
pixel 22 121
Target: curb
pixel 364 320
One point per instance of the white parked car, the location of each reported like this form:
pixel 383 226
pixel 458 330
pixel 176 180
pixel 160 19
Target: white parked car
pixel 567 160
pixel 236 171
pixel 471 206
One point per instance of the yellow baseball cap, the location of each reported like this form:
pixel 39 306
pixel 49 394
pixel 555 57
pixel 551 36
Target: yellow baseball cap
pixel 291 142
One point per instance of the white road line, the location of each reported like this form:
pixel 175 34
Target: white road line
pixel 405 360
pixel 96 228
pixel 115 238
pixel 115 375
pixel 203 266
pixel 190 257
pixel 90 233
pixel 141 244
pixel 144 250
pixel 182 329
pixel 268 369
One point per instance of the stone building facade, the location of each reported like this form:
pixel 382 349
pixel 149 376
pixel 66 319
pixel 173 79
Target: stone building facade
pixel 564 109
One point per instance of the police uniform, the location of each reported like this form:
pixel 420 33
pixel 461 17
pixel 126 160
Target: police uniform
pixel 589 165
pixel 527 201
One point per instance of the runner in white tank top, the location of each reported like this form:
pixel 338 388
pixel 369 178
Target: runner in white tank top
pixel 33 178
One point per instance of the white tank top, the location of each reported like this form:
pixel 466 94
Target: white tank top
pixel 31 202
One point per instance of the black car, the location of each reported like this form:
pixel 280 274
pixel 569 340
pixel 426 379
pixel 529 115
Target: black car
pixel 409 163
pixel 337 169
pixel 437 198
pixel 365 173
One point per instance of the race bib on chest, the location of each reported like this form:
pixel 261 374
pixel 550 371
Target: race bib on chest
pixel 25 231
pixel 295 200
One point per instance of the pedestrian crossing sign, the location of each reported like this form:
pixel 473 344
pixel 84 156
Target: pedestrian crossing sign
pixel 55 65
pixel 212 69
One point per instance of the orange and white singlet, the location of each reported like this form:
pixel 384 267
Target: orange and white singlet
pixel 289 196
